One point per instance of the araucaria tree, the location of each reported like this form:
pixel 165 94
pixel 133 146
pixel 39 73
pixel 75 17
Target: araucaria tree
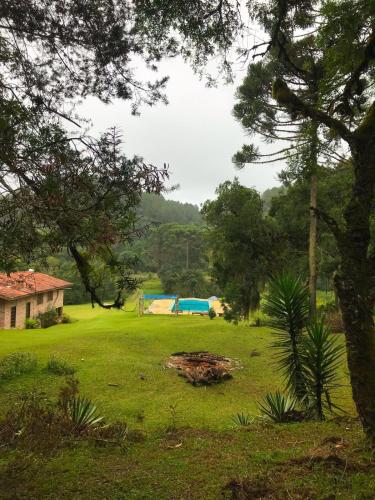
pixel 242 247
pixel 342 37
pixel 300 145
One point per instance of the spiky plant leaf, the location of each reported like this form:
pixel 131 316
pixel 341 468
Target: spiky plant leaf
pixel 287 304
pixel 321 357
pixel 278 407
pixel 242 420
pixel 82 412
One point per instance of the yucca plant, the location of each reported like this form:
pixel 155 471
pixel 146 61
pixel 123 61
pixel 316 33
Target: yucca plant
pixel 242 420
pixel 321 356
pixel 287 305
pixel 82 413
pixel 279 408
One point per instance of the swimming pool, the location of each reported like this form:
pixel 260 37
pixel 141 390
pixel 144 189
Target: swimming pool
pixel 192 305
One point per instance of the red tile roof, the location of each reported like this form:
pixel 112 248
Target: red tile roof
pixel 21 284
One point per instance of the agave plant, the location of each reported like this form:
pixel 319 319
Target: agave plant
pixel 321 356
pixel 242 420
pixel 83 414
pixel 287 304
pixel 279 408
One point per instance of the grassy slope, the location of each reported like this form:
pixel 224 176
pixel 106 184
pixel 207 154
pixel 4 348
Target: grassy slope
pixel 116 347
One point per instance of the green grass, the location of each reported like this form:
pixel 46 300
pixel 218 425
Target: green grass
pixel 206 451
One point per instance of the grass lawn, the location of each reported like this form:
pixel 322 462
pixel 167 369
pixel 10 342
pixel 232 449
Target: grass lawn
pixel 205 451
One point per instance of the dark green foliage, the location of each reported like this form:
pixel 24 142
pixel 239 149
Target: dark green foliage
pixel 176 247
pixel 243 247
pixel 31 324
pixel 280 408
pixel 287 305
pixel 151 252
pixel 59 366
pixel 48 318
pixel 307 353
pixel 69 192
pixel 326 54
pixel 16 364
pixel 187 283
pixel 178 254
pixel 290 209
pixel 321 357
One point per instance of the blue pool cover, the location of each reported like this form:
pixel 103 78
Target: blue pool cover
pixel 192 305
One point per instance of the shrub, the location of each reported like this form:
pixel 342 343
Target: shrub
pixel 31 423
pixel 38 424
pixel 280 408
pixel 59 366
pixel 16 364
pixel 287 304
pixel 65 318
pixel 48 318
pixel 31 324
pixel 307 353
pixel 211 313
pixel 321 356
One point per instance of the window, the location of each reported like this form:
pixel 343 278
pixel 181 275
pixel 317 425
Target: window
pixel 50 296
pixel 59 311
pixel 13 316
pixel 40 299
pixel 28 310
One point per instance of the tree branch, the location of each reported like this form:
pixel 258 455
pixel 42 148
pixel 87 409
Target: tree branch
pixel 285 97
pixel 330 222
pixel 353 84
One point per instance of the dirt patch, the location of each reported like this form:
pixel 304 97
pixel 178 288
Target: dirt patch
pixel 265 487
pixel 202 367
pixel 245 489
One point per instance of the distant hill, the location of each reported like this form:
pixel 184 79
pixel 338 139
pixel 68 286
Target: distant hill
pixel 156 208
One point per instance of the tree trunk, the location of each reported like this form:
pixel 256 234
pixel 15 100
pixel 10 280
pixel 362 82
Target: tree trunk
pixel 312 244
pixel 355 283
pixel 357 313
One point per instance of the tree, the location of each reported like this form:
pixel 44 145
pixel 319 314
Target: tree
pixel 71 194
pixel 289 212
pixel 52 52
pixel 342 36
pixel 63 190
pixel 258 114
pixel 178 253
pixel 242 246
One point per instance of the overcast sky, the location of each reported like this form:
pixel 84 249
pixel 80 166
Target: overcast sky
pixel 195 134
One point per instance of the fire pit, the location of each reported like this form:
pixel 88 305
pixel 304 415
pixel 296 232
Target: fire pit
pixel 202 367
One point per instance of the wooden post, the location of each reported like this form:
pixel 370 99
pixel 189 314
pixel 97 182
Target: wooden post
pixel 141 306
